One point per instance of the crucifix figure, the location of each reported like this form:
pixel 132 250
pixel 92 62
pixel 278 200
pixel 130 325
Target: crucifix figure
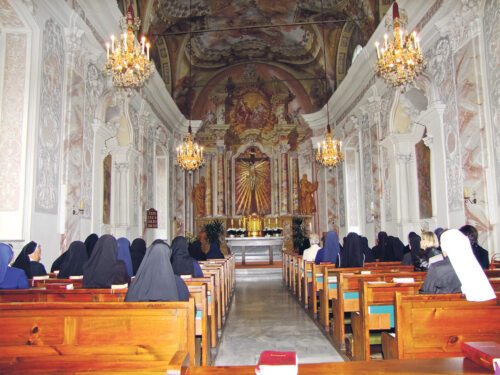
pixel 251 184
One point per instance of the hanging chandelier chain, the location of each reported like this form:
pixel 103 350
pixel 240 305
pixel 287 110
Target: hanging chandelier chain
pixel 189 153
pixel 329 152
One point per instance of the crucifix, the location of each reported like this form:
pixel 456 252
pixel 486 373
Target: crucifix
pixel 251 177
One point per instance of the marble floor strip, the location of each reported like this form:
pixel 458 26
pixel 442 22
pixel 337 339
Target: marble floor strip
pixel 265 316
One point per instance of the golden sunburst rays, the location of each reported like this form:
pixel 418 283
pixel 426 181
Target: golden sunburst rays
pixel 253 187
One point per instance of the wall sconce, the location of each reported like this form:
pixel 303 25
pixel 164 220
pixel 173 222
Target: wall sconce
pixel 467 197
pixel 80 210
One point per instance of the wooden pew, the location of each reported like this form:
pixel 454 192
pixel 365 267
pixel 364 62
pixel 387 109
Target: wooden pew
pixel 215 272
pixel 431 326
pixel 209 280
pixel 93 332
pixel 56 295
pixel 347 297
pixel 77 283
pixel 306 280
pixel 328 291
pixel 295 272
pixel 198 290
pixel 318 272
pixel 376 312
pixel 227 275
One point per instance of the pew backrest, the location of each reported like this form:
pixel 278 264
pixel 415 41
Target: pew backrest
pixel 431 326
pixel 118 330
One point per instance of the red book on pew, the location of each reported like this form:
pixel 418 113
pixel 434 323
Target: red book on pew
pixel 483 353
pixel 277 363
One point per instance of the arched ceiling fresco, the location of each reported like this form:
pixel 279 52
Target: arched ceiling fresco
pixel 285 35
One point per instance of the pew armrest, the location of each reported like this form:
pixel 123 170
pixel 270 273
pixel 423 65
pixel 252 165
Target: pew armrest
pixel 179 363
pixel 389 345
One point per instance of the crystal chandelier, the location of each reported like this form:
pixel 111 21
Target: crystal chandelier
pixel 399 60
pixel 128 61
pixel 329 152
pixel 189 153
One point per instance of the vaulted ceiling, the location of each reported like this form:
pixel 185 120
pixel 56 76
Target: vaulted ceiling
pixel 293 38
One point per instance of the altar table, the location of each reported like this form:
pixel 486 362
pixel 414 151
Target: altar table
pixel 239 245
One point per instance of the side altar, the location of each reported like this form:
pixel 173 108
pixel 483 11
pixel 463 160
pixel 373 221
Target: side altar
pixel 262 247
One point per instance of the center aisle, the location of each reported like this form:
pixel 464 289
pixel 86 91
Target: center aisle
pixel 265 316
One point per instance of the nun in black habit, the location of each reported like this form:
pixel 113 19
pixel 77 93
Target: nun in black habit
pixel 73 262
pixel 103 269
pixel 379 248
pixel 29 260
pixel 137 252
pixel 182 262
pixel 90 242
pixel 56 266
pixel 155 279
pixel 352 253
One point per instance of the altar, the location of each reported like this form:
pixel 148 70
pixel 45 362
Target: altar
pixel 265 248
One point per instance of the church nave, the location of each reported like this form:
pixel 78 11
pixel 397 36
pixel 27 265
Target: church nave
pixel 265 316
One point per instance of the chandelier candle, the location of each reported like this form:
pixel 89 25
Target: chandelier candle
pixel 400 60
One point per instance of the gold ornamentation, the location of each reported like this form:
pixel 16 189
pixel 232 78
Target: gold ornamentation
pixel 128 61
pixel 329 152
pixel 252 187
pixel 399 60
pixel 189 153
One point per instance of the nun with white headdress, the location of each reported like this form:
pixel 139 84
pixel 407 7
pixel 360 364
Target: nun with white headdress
pixel 459 271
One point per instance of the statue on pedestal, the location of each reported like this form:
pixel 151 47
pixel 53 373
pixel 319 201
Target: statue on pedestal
pixel 307 206
pixel 198 195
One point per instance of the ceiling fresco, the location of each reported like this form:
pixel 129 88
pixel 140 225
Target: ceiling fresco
pixel 197 42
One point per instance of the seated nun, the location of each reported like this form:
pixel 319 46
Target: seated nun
pixel 90 242
pixel 155 280
pixel 367 251
pixel 309 254
pixel 459 271
pixel 124 254
pixel 199 248
pixel 29 260
pixel 10 277
pixel 352 254
pixel 137 252
pixel 182 263
pixel 481 254
pixel 103 268
pixel 56 266
pixel 215 251
pixel 73 262
pixel 330 251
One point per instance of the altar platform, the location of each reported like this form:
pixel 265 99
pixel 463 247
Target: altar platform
pixel 248 250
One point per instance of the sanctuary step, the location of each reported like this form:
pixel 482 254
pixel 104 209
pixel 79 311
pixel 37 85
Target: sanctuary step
pixel 258 274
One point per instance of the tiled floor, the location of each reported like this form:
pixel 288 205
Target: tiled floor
pixel 265 316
